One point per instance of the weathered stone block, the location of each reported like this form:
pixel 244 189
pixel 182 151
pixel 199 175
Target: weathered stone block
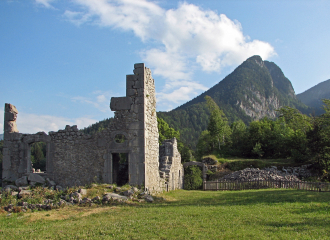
pixel 140 93
pixel 139 65
pixel 113 196
pixel 6 163
pixel 135 126
pixel 128 193
pixel 34 177
pixel 120 103
pixel 21 181
pixel 8 175
pixel 129 81
pixel 138 84
pixel 130 92
pixel 101 142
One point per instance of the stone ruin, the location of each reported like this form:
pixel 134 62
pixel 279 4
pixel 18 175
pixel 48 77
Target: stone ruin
pixel 126 152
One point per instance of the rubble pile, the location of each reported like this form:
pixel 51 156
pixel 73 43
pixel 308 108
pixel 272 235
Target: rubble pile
pixel 272 173
pixel 116 195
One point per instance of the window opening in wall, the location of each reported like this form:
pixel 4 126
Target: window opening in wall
pixel 120 168
pixel 38 156
pixel 120 138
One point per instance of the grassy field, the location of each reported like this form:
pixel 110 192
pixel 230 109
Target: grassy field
pixel 253 214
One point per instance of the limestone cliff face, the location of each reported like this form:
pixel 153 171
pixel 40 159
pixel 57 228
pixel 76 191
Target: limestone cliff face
pixel 259 106
pixel 260 102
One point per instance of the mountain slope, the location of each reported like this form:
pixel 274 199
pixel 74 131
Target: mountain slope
pixel 254 90
pixel 313 96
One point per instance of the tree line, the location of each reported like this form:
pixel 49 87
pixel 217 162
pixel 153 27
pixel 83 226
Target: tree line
pixel 291 135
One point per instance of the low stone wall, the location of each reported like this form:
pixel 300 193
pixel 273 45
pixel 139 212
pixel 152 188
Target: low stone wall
pixel 77 159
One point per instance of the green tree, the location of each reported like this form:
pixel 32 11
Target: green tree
pixel 38 159
pixel 165 131
pixel 267 136
pixel 186 153
pixel 193 178
pixel 295 119
pixel 319 141
pixel 218 124
pixel 298 126
pixel 238 138
pixel 204 144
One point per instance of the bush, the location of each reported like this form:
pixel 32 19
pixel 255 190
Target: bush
pixel 193 178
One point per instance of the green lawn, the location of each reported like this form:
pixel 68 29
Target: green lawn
pixel 252 214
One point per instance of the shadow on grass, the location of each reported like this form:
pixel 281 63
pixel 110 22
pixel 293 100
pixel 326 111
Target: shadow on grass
pixel 246 197
pixel 318 224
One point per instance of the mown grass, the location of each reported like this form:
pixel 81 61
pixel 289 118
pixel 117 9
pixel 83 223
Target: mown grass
pixel 253 214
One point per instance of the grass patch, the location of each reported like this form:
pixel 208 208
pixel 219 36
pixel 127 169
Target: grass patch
pixel 253 214
pixel 235 164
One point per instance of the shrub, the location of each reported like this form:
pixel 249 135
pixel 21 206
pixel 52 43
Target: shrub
pixel 193 178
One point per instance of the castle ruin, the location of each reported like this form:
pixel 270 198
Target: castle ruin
pixel 126 152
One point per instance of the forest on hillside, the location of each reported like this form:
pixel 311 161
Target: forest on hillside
pixel 254 89
pixel 292 135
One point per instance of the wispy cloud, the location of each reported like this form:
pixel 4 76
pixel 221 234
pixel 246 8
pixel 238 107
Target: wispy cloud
pixel 186 39
pixel 45 3
pixel 98 99
pixel 76 18
pixel 32 123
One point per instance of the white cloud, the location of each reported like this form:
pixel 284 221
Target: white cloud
pixel 167 64
pixel 32 123
pixel 186 38
pixel 183 93
pixel 136 15
pixel 98 99
pixel 76 18
pixel 45 3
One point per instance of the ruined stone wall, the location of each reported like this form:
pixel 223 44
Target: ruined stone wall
pixel 129 120
pixel 12 146
pixel 10 119
pixel 153 182
pixel 16 149
pixel 11 164
pixel 171 169
pixel 74 158
pixel 17 153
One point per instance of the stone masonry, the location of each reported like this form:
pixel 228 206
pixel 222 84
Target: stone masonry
pixel 75 158
pixel 171 168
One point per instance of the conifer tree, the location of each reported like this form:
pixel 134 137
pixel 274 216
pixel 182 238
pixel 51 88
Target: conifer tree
pixel 218 124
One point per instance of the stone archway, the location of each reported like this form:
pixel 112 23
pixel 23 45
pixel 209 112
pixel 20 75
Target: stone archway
pixel 28 140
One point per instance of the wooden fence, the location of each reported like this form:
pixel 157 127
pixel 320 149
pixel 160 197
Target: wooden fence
pixel 243 185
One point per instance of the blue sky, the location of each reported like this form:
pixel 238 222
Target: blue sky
pixel 61 61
